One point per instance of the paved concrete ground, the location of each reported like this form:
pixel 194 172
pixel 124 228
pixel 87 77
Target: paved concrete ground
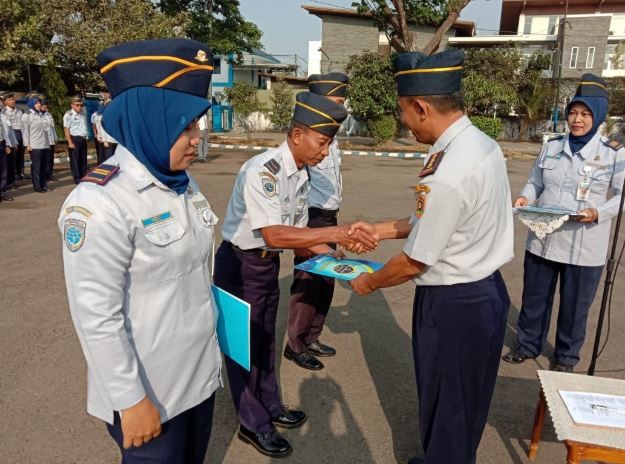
pixel 362 406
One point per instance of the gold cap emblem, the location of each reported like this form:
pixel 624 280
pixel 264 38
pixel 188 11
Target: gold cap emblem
pixel 201 56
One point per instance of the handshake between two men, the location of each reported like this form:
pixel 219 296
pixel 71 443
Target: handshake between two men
pixel 363 237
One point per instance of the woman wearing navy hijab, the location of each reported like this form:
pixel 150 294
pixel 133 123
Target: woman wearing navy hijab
pixel 575 172
pixel 37 142
pixel 138 240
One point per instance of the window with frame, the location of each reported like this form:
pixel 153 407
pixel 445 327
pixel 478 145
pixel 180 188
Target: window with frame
pixel 590 58
pixel 573 61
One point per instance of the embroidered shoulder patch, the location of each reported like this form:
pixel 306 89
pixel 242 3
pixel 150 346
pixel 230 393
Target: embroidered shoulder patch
pixel 613 144
pixel 74 232
pixel 273 166
pixel 101 174
pixel 78 209
pixel 421 191
pixel 432 164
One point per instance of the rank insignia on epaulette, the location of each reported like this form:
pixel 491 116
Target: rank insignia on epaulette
pixel 101 175
pixel 273 166
pixel 432 163
pixel 614 144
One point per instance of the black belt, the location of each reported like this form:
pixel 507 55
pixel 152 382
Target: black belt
pixel 325 213
pixel 260 252
pixel 77 136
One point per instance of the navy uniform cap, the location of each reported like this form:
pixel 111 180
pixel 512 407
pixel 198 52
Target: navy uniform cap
pixel 417 74
pixel 592 86
pixel 318 113
pixel 329 85
pixel 184 65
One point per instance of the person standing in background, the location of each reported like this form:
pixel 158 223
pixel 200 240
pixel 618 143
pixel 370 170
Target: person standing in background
pixel 14 114
pixel 76 133
pixel 52 138
pixel 36 139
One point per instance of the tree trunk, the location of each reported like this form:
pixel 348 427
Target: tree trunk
pixel 454 13
pixel 407 37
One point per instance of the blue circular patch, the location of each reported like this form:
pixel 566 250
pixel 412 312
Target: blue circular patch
pixel 73 235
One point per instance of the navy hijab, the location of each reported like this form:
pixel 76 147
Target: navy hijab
pixel 31 103
pixel 598 106
pixel 147 121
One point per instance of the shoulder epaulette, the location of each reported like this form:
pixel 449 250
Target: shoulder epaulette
pixel 613 144
pixel 554 138
pixel 273 166
pixel 432 164
pixel 101 175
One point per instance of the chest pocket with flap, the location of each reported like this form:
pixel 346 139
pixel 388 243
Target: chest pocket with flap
pixel 167 255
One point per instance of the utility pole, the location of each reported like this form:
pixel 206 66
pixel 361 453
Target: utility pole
pixel 561 33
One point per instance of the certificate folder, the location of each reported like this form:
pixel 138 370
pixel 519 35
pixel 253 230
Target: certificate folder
pixel 233 326
pixel 343 269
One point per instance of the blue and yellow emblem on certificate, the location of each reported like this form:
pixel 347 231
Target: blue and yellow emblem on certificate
pixel 343 269
pixel 74 233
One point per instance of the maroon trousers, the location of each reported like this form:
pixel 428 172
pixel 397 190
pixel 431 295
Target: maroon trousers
pixel 311 294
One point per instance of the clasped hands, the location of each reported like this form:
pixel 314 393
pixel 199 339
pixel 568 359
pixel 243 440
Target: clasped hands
pixel 359 237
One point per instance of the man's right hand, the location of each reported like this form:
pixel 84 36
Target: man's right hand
pixel 140 423
pixel 7 150
pixel 29 149
pixel 71 146
pixel 359 241
pixel 521 202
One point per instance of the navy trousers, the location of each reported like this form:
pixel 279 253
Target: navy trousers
pixel 458 333
pixel 39 168
pixel 311 295
pixel 51 161
pixel 578 286
pixel 4 164
pixel 255 280
pixel 18 155
pixel 183 439
pixel 78 158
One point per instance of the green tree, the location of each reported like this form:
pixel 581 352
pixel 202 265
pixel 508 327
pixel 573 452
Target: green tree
pixel 243 97
pixel 393 17
pixel 534 92
pixel 56 92
pixel 282 99
pixel 372 90
pixel 21 39
pixel 81 29
pixel 217 23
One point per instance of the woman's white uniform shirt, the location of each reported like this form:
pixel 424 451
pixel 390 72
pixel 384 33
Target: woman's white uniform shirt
pixel 137 260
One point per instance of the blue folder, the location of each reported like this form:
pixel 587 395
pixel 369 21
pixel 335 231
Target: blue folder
pixel 233 326
pixel 343 269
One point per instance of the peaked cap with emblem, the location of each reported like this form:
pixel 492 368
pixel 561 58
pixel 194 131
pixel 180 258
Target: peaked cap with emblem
pixel 329 85
pixel 319 113
pixel 184 65
pixel 417 74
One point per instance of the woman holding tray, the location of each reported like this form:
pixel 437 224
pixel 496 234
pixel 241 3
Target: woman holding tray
pixel 574 172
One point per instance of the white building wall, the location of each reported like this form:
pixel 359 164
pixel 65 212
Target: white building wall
pixel 314 57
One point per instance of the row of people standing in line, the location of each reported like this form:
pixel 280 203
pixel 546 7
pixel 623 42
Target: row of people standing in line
pixel 29 132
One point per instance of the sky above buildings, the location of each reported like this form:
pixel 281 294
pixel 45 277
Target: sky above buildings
pixel 287 27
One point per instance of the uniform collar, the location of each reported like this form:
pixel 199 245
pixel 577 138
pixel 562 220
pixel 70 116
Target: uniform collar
pixel 450 133
pixel 588 150
pixel 76 113
pixel 141 177
pixel 288 161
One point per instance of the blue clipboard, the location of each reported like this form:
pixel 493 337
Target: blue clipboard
pixel 233 326
pixel 343 269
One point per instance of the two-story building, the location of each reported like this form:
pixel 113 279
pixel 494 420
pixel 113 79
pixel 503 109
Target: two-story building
pixel 586 31
pixel 345 32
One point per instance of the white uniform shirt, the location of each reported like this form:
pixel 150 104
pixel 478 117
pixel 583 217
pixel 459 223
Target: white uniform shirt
pixel 76 123
pixel 137 268
pixel 35 131
pixel 326 182
pixel 9 134
pixel 269 190
pixel 553 181
pixel 52 138
pixel 466 230
pixel 103 136
pixel 15 117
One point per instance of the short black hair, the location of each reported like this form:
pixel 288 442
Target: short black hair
pixel 446 103
pixel 296 125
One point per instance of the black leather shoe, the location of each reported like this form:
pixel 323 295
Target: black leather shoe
pixel 269 443
pixel 416 461
pixel 5 197
pixel 290 419
pixel 515 357
pixel 319 349
pixel 305 359
pixel 557 367
pixel 25 177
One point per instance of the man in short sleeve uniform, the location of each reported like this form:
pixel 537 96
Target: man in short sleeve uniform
pixel 459 236
pixel 76 133
pixel 311 294
pixel 268 212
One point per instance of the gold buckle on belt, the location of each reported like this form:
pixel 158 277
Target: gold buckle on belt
pixel 264 254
